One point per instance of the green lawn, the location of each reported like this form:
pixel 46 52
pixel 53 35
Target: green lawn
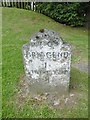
pixel 18 26
pixel 0 61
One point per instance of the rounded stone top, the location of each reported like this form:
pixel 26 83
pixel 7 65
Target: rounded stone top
pixel 48 38
pixel 48 35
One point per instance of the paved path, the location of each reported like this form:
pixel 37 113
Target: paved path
pixel 81 66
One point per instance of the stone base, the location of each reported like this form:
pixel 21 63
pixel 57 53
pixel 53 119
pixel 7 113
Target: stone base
pixel 42 93
pixel 40 87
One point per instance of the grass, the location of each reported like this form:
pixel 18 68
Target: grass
pixel 0 62
pixel 18 26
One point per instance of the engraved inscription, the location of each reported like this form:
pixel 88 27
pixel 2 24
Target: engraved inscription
pixel 47 59
pixel 42 55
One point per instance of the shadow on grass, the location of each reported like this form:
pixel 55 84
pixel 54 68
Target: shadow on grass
pixel 78 80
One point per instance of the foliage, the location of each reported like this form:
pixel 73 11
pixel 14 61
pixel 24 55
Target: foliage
pixel 69 13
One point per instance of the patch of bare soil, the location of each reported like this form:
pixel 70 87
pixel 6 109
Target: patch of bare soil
pixel 24 96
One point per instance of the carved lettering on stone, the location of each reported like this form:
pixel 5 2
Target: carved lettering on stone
pixel 47 60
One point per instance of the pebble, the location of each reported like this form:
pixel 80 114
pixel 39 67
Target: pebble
pixel 37 98
pixel 71 95
pixel 56 102
pixel 66 100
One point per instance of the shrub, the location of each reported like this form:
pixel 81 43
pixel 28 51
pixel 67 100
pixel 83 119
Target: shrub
pixel 68 13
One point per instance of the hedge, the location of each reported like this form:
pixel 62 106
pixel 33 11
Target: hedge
pixel 69 13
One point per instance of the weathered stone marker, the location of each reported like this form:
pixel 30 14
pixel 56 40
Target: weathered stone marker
pixel 47 63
